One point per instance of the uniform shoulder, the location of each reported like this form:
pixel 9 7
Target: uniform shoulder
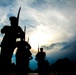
pixel 19 27
pixel 6 26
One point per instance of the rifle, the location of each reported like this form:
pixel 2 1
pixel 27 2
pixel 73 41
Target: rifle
pixel 24 32
pixel 18 15
pixel 38 48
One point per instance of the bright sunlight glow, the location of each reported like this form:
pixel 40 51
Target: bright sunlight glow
pixel 38 38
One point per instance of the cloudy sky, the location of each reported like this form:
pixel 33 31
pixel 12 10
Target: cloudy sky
pixel 51 24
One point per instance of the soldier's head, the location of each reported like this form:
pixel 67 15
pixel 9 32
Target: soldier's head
pixel 41 49
pixel 13 20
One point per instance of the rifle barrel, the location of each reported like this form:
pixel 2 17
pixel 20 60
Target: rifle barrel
pixel 18 14
pixel 25 32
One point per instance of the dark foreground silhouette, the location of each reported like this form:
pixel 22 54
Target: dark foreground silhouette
pixel 43 64
pixel 23 55
pixel 11 33
pixel 60 67
pixel 8 43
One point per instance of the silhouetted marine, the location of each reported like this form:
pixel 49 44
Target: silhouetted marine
pixel 23 55
pixel 40 57
pixel 11 33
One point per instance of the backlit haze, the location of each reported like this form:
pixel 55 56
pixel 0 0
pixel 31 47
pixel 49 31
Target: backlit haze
pixel 50 24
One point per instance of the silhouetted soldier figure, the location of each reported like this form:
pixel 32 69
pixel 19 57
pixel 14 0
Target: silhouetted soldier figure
pixel 23 55
pixel 40 57
pixel 8 43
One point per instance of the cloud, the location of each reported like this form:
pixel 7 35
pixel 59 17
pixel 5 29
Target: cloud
pixel 5 3
pixel 61 17
pixel 61 46
pixel 54 46
pixel 61 50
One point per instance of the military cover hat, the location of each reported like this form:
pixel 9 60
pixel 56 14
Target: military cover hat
pixel 12 18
